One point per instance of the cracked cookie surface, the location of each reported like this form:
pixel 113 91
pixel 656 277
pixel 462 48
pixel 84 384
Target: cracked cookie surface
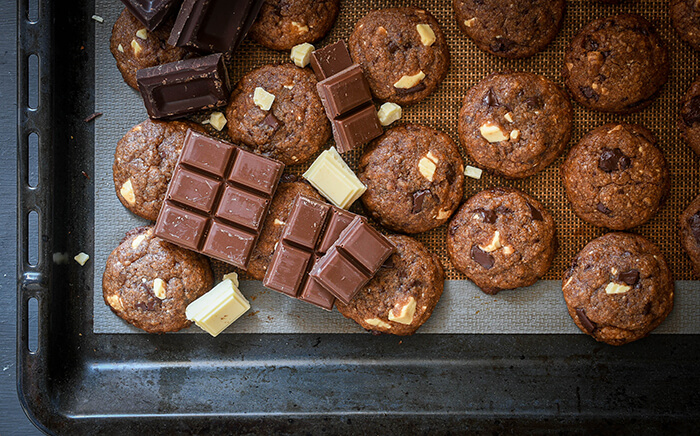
pixel 149 282
pixel 502 238
pixel 402 63
pixel 414 177
pixel 532 118
pixel 689 120
pixel 618 288
pixel 616 177
pixel 616 64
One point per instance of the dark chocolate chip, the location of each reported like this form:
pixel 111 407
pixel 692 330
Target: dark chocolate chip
pixel 272 121
pixel 389 263
pixel 481 257
pixel 625 162
pixel 450 174
pixel 487 216
pixel 288 178
pixel 590 44
pixel 647 308
pixel 603 209
pixel 534 102
pixel 502 45
pixel 419 199
pixel 502 210
pixel 691 111
pixel 630 277
pixel 453 229
pixel 149 305
pixel 393 47
pixel 419 87
pixel 490 99
pixel 613 160
pixel 587 323
pixel 588 92
pixel 694 224
pixel 536 214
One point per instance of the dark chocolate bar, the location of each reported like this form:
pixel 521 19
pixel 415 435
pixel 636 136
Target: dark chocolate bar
pixel 212 26
pixel 150 12
pixel 356 128
pixel 330 60
pixel 183 87
pixel 217 199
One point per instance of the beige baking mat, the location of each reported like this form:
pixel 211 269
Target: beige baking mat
pixel 463 309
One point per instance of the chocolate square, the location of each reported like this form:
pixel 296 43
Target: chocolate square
pixel 356 128
pixel 305 223
pixel 345 91
pixel 330 60
pixel 193 189
pixel 286 270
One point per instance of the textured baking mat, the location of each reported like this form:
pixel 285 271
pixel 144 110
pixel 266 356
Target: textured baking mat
pixel 463 308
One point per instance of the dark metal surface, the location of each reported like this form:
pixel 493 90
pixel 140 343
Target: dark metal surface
pixel 82 383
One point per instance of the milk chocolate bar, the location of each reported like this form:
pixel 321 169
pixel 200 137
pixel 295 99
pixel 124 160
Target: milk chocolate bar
pixel 179 88
pixel 330 60
pixel 356 128
pixel 150 12
pixel 217 199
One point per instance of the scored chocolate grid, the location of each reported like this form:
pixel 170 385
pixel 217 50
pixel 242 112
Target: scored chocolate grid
pixel 469 65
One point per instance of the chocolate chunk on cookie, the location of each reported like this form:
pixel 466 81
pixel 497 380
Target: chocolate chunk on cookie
pixel 512 29
pixel 515 123
pixel 616 177
pixel 502 238
pixel 282 24
pixel 144 161
pixel 689 223
pixel 618 288
pixel 134 47
pixel 689 120
pixel 403 294
pixel 414 177
pixel 403 53
pixel 149 282
pixel 616 64
pixel 277 215
pixel 293 128
pixel 685 17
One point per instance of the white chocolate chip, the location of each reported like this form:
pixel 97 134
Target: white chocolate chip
pixel 217 120
pixel 98 18
pixel 81 258
pixel 470 22
pixel 233 277
pixel 135 47
pixel 473 172
pixel 388 113
pixel 127 192
pixel 288 86
pixel 408 82
pixel 120 48
pixel 142 33
pixel 507 250
pixel 427 167
pixel 301 28
pixel 492 132
pixel 376 322
pixel 615 129
pixel 442 214
pixel 508 117
pixel 159 288
pixel 278 222
pixel 301 54
pixel 263 99
pixel 515 134
pixel 115 302
pixel 137 241
pixel 495 243
pixel 427 36
pixel 616 288
pixel 613 271
pixel 405 312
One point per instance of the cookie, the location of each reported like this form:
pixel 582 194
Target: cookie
pixel 616 177
pixel 515 124
pixel 277 215
pixel 414 177
pixel 149 282
pixel 618 288
pixel 501 239
pixel 689 120
pixel 134 47
pixel 294 128
pixel 282 24
pixel 403 53
pixel 513 29
pixel 403 294
pixel 685 17
pixel 689 223
pixel 616 64
pixel 144 161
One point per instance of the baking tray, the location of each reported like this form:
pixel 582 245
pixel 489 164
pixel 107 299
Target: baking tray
pixel 78 382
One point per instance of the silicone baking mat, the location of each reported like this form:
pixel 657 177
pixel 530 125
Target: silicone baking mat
pixel 463 308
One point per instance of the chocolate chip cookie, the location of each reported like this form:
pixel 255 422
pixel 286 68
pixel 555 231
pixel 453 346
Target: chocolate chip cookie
pixel 149 282
pixel 403 294
pixel 512 29
pixel 616 64
pixel 618 288
pixel 689 121
pixel 414 177
pixel 277 215
pixel 685 17
pixel 134 47
pixel 294 128
pixel 616 177
pixel 144 161
pixel 501 239
pixel 515 123
pixel 282 24
pixel 403 53
pixel 689 223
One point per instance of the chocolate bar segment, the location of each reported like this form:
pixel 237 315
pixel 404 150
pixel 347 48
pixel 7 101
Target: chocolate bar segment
pixel 330 60
pixel 344 91
pixel 307 220
pixel 355 129
pixel 287 269
pixel 212 207
pixel 338 221
pixel 150 12
pixel 365 245
pixel 179 88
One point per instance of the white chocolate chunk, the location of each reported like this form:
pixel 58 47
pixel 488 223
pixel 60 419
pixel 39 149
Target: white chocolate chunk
pixel 159 288
pixel 301 28
pixel 495 243
pixel 98 18
pixel 507 249
pixel 127 192
pixel 334 179
pixel 473 172
pixel 217 120
pixel 120 48
pixel 515 134
pixel 263 99
pixel 137 241
pixel 442 214
pixel 427 36
pixel 408 82
pixel 492 132
pixel 135 47
pixel 142 33
pixel 616 288
pixel 233 276
pixel 508 117
pixel 427 167
pixel 388 113
pixel 218 308
pixel 405 312
pixel 278 222
pixel 376 322
pixel 301 54
pixel 81 258
pixel 470 22
pixel 115 302
pixel 615 129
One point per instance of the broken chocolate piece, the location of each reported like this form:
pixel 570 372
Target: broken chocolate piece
pixel 490 99
pixel 330 60
pixel 272 121
pixel 536 214
pixel 487 216
pixel 150 12
pixel 603 209
pixel 613 160
pixel 630 277
pixel 587 323
pixel 419 87
pixel 588 92
pixel 419 199
pixel 481 257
